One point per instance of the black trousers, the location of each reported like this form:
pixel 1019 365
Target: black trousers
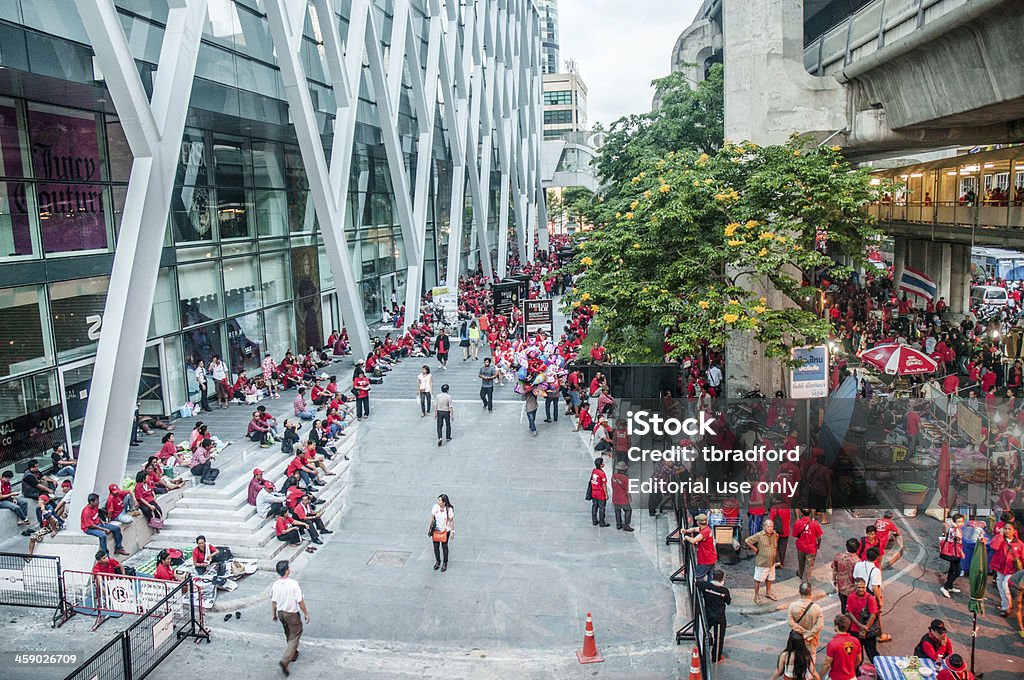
pixel 551 404
pixel 362 407
pixel 623 515
pixel 444 419
pixel 597 510
pixel 717 640
pixel 487 396
pixel 438 547
pixel 204 400
pixel 952 573
pixel 425 402
pixel 290 536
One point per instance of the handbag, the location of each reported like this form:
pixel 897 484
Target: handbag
pixel 948 550
pixel 156 522
pixel 433 525
pixel 440 536
pixel 876 628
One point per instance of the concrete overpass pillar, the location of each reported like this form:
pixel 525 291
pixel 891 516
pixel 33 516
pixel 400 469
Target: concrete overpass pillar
pixel 899 259
pixel 768 97
pixel 959 280
pixel 945 264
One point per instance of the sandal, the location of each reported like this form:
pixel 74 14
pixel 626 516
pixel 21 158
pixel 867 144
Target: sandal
pixel 758 601
pixel 885 637
pixel 771 597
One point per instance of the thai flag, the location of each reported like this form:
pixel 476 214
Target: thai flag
pixel 917 283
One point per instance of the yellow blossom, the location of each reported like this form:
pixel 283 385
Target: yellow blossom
pixel 763 300
pixel 703 304
pixel 644 289
pixel 731 229
pixel 730 318
pixel 762 252
pixel 586 261
pixel 633 205
pixel 798 248
pixel 760 309
pixel 647 194
pixel 751 224
pixel 709 181
pixel 629 216
pixel 636 245
pixel 664 188
pixel 766 235
pixel 797 152
pixel 576 303
pixel 703 158
pixel 585 297
pixel 736 242
pixel 782 239
pixel 696 182
pixel 594 307
pixel 635 180
pixel 618 214
pixel 642 174
pixel 660 165
pixel 835 147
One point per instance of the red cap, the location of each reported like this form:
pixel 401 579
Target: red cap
pixel 66 482
pixel 257 471
pixel 268 484
pixel 44 498
pixel 113 487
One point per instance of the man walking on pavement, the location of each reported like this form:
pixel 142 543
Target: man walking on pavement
pixel 285 603
pixel 620 497
pixel 598 493
pixel 487 375
pixel 765 544
pixel 808 535
pixel 716 597
pixel 530 400
pixel 444 411
pixel 805 617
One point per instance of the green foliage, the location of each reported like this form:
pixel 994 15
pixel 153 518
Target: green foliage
pixel 688 118
pixel 678 244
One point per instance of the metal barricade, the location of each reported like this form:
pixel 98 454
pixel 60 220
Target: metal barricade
pixel 108 595
pixel 697 629
pixel 135 653
pixel 32 581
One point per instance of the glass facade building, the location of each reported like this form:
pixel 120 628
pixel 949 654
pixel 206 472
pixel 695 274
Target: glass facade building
pixel 243 269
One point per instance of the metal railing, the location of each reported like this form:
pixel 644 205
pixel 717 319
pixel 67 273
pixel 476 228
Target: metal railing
pixel 136 652
pixel 869 30
pixel 32 581
pixel 697 630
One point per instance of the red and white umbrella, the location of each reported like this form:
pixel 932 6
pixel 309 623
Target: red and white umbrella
pixel 895 359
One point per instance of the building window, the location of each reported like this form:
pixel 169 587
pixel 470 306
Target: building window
pixel 24 338
pixel 557 117
pixel 77 311
pixel 558 98
pixel 199 293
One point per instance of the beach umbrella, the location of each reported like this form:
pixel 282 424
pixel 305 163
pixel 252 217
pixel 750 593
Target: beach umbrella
pixel 895 359
pixel 836 423
pixel 978 580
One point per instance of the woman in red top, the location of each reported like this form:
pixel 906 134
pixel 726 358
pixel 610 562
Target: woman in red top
pixel 146 497
pixel 361 384
pixel 168 450
pixel 164 572
pixel 287 529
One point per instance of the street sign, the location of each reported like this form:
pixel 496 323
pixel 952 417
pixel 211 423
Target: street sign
pixel 809 380
pixel 538 316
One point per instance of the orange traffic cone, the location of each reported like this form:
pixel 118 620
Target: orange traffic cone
pixel 694 666
pixel 589 653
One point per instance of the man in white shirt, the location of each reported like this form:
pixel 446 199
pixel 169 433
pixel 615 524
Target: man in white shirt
pixel 285 602
pixel 714 380
pixel 266 499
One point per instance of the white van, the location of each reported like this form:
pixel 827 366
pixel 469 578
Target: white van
pixel 993 296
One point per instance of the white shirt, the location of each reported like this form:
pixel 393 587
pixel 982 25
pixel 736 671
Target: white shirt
pixel 265 498
pixel 441 517
pixel 867 570
pixel 218 371
pixel 286 594
pixel 426 382
pixel 714 376
pixel 200 375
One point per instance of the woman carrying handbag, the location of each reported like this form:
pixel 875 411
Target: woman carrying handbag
pixel 442 528
pixel 951 550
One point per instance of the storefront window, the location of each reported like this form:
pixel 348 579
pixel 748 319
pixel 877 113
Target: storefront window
pixel 76 308
pixel 199 293
pixel 276 277
pixel 241 285
pixel 190 199
pixel 200 344
pixel 271 212
pixel 66 162
pixel 165 312
pixel 234 211
pixel 245 343
pixel 17 239
pixel 279 330
pixel 31 419
pixel 24 337
pixel 268 165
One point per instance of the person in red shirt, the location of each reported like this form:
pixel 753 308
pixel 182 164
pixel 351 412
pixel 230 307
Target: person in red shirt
pixel 707 553
pixel 912 428
pixel 843 652
pixel 94 526
pixel 780 515
pixel 146 498
pixel 164 571
pixel 598 493
pixel 954 668
pixel 205 555
pixel 361 384
pixel 168 450
pixel 870 540
pixel 935 644
pixel 119 504
pixel 620 497
pixel 808 535
pixel 585 422
pixel 1007 558
pixel 885 528
pixel 105 564
pixel 287 529
pixel 862 608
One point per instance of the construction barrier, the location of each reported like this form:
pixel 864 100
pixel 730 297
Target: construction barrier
pixel 32 581
pixel 135 653
pixel 113 595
